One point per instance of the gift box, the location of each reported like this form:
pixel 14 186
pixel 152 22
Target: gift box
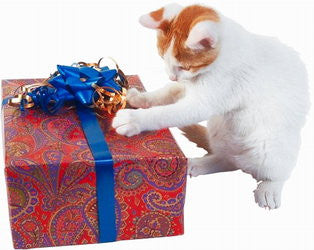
pixel 52 187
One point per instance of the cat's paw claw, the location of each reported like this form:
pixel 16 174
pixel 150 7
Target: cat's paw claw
pixel 126 123
pixel 268 194
pixel 137 99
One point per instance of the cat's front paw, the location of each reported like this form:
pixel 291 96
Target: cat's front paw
pixel 126 122
pixel 195 168
pixel 268 194
pixel 137 99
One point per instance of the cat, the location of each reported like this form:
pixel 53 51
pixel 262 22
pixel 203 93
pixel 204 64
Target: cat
pixel 252 89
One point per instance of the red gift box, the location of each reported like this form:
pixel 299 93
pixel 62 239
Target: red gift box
pixel 51 178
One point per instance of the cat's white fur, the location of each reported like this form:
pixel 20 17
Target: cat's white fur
pixel 255 98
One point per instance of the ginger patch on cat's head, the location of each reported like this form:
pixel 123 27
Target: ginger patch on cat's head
pixel 189 35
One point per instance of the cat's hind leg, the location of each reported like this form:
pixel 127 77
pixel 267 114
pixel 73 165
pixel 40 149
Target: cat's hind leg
pixel 268 194
pixel 208 164
pixel 277 158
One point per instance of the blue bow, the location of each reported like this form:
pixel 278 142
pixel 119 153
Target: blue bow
pixel 74 84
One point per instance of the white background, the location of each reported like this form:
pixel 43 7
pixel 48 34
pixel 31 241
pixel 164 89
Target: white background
pixel 220 212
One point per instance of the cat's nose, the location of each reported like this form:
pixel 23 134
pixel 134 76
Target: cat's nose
pixel 173 77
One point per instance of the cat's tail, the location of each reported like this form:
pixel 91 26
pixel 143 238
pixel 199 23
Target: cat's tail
pixel 198 134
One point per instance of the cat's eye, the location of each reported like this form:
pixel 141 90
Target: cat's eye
pixel 184 68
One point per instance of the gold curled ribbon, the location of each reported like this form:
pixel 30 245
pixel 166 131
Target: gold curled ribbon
pixel 23 96
pixel 110 101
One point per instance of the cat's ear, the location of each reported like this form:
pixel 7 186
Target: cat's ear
pixel 158 18
pixel 203 35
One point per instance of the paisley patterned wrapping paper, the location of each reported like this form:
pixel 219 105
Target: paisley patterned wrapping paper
pixel 51 180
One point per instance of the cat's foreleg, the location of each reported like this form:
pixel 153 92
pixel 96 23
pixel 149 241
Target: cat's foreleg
pixel 184 112
pixel 167 95
pixel 209 164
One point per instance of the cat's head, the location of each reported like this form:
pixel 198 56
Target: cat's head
pixel 188 38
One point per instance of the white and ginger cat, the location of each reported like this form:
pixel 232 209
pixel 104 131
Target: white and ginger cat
pixel 252 90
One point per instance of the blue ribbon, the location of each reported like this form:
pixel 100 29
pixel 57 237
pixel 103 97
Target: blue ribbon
pixel 76 85
pixel 104 173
